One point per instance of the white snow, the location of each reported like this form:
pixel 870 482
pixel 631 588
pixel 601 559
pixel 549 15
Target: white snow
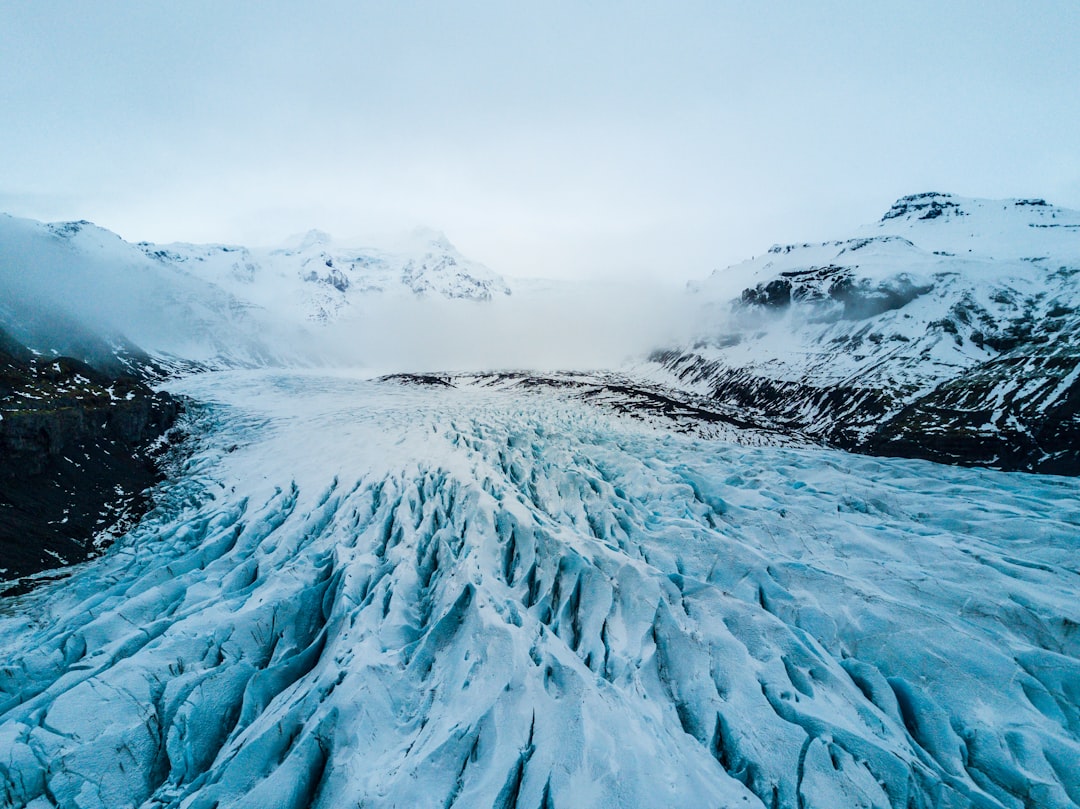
pixel 317 280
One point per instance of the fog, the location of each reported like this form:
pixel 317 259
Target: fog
pixel 57 298
pixel 79 292
pixel 565 327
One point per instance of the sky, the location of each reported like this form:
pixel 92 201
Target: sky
pixel 602 139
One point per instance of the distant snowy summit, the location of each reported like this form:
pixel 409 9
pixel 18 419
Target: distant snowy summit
pixel 76 289
pixel 324 279
pixel 948 330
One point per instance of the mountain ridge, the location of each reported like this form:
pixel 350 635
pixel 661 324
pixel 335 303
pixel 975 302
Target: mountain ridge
pixel 947 330
pixel 324 279
pixel 217 302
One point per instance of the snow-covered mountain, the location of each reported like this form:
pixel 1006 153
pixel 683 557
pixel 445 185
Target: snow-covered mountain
pixel 318 280
pixel 950 330
pixel 77 289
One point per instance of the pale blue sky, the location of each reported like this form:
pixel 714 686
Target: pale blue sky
pixel 544 138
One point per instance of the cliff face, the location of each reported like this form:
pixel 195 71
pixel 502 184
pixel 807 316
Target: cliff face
pixel 77 450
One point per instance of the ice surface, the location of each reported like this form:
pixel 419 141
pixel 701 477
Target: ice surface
pixel 359 593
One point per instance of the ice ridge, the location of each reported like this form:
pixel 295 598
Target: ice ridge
pixel 362 594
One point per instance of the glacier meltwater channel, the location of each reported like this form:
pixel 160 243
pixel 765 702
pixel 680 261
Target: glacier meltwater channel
pixel 366 594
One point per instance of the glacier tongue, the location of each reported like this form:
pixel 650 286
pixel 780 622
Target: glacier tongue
pixel 365 594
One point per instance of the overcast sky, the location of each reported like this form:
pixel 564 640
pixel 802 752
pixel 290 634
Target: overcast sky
pixel 559 139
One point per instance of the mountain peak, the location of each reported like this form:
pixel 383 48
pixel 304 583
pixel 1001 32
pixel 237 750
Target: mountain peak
pixel 928 205
pixel 313 238
pixel 425 238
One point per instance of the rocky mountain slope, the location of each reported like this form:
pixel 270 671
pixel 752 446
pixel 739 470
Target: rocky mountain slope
pixel 77 456
pixel 949 330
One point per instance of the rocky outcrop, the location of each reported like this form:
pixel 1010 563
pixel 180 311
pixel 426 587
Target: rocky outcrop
pixel 1017 412
pixel 77 454
pixel 833 414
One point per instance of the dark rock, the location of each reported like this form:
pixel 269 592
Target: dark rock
pixel 75 457
pixel 864 300
pixel 930 205
pixel 973 422
pixel 437 380
pixel 774 295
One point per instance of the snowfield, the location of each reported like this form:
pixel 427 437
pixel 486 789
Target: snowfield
pixel 365 593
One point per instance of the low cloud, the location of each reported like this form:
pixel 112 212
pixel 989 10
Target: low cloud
pixel 572 326
pixel 75 289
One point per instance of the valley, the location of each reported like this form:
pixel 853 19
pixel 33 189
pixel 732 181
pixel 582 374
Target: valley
pixel 383 593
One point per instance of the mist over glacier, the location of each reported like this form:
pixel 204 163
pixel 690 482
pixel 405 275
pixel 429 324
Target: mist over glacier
pixel 165 301
pixel 581 326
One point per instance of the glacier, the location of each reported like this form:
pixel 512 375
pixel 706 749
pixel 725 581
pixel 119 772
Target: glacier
pixel 359 592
